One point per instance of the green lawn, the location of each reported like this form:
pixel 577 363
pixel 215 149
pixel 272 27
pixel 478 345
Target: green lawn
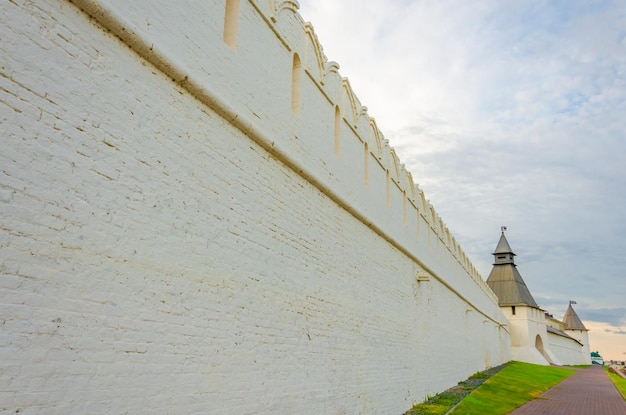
pixel 441 403
pixel 510 388
pixel 619 382
pixel 436 405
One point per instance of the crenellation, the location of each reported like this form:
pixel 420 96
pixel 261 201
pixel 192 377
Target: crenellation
pixel 315 60
pixel 362 124
pixel 350 104
pixel 289 25
pixel 410 186
pixel 332 67
pixel 375 138
pixel 173 226
pixel 394 168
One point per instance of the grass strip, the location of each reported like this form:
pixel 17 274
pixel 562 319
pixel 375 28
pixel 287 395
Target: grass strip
pixel 510 388
pixel 618 381
pixel 441 403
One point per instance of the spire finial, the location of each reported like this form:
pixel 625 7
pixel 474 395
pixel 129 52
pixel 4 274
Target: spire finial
pixel 572 302
pixel 503 228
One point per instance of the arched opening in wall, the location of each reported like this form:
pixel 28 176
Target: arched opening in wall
pixel 337 131
pixel 296 75
pixel 539 344
pixel 231 23
pixel 541 349
pixel 366 164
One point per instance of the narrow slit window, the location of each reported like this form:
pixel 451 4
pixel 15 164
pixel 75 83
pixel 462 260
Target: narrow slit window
pixel 366 161
pixel 337 131
pixel 419 220
pixel 231 23
pixel 404 208
pixel 296 75
pixel 388 180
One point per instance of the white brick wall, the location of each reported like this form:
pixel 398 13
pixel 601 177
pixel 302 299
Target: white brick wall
pixel 156 259
pixel 566 350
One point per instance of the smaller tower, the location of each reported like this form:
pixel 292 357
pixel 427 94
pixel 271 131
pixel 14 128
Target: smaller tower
pixel 506 281
pixel 527 325
pixel 575 328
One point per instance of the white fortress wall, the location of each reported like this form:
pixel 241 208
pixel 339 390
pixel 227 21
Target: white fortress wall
pixel 181 232
pixel 566 350
pixel 583 337
pixel 254 84
pixel 528 334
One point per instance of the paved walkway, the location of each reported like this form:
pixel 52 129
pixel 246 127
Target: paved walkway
pixel 587 392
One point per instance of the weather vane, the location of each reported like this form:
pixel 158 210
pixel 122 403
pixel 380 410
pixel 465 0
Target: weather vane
pixel 503 228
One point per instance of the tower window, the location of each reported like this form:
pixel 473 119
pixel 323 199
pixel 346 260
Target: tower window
pixel 513 310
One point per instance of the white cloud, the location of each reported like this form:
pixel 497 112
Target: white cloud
pixel 506 113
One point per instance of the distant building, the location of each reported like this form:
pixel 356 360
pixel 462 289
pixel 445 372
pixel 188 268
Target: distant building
pixel 596 359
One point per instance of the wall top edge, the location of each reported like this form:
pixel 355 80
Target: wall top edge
pixel 284 20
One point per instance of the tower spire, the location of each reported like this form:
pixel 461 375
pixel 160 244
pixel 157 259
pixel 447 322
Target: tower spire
pixel 505 280
pixel 503 253
pixel 571 319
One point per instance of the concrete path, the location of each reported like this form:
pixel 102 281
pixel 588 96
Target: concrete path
pixel 587 392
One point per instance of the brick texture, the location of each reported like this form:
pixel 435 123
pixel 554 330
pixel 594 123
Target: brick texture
pixel 155 259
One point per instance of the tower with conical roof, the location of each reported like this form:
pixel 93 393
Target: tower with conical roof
pixel 527 323
pixel 575 328
pixel 506 281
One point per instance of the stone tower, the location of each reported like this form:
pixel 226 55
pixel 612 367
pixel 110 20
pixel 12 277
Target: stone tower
pixel 527 323
pixel 575 328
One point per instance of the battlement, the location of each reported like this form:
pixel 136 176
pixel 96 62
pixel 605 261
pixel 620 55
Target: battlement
pixel 200 216
pixel 297 106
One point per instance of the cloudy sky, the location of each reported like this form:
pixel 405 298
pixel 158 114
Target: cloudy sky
pixel 506 113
